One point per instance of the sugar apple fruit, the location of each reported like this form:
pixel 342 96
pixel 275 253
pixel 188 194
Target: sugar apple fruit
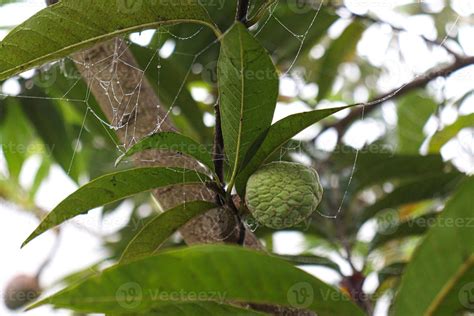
pixel 283 194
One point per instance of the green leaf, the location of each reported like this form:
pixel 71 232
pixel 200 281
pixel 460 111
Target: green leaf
pixel 173 142
pixel 392 270
pixel 338 52
pixel 312 260
pixel 45 115
pixel 381 165
pixel 298 17
pixel 71 25
pixel 155 232
pixel 229 274
pixel 15 137
pixel 377 169
pixel 393 231
pixel 389 278
pixel 429 187
pixel 275 137
pixel 41 174
pixel 446 134
pixel 458 297
pixel 78 276
pixel 413 112
pixel 2 2
pixel 443 265
pixel 195 309
pixel 257 9
pixel 113 187
pixel 78 96
pixel 248 91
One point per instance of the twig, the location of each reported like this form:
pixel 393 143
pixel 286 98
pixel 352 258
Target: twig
pixel 242 10
pixel 218 152
pixel 222 198
pixel 420 82
pixel 260 13
pixel 241 15
pixel 51 253
pixel 437 43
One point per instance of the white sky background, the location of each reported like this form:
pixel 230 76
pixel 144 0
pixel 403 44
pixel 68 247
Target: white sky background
pixel 79 248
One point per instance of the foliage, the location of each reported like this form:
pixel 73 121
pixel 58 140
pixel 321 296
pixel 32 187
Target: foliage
pixel 399 185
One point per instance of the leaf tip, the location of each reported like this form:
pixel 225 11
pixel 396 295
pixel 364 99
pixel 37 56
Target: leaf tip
pixel 27 241
pixel 36 305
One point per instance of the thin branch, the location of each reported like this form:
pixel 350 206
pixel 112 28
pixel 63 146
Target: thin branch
pixel 51 254
pixel 436 42
pixel 218 152
pixel 242 10
pixel 419 82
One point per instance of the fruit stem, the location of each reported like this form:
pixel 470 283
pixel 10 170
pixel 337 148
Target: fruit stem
pixel 51 254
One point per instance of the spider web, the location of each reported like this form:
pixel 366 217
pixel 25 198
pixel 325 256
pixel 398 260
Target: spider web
pixel 115 92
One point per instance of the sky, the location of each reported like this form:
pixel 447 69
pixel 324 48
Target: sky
pixel 80 246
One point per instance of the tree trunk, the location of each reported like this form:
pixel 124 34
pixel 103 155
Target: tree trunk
pixel 133 108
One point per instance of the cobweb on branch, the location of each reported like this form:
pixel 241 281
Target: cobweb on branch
pixel 115 91
pixel 301 38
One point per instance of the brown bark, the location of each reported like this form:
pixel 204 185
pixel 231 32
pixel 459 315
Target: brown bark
pixel 134 110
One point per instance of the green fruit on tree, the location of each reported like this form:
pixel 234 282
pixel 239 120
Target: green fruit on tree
pixel 20 291
pixel 283 194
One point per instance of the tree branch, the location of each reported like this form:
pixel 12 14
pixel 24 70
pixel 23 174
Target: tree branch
pixel 242 10
pixel 419 82
pixel 437 43
pixel 218 153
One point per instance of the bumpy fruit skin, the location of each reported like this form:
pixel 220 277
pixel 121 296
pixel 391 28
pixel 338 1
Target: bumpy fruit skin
pixel 283 194
pixel 20 291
